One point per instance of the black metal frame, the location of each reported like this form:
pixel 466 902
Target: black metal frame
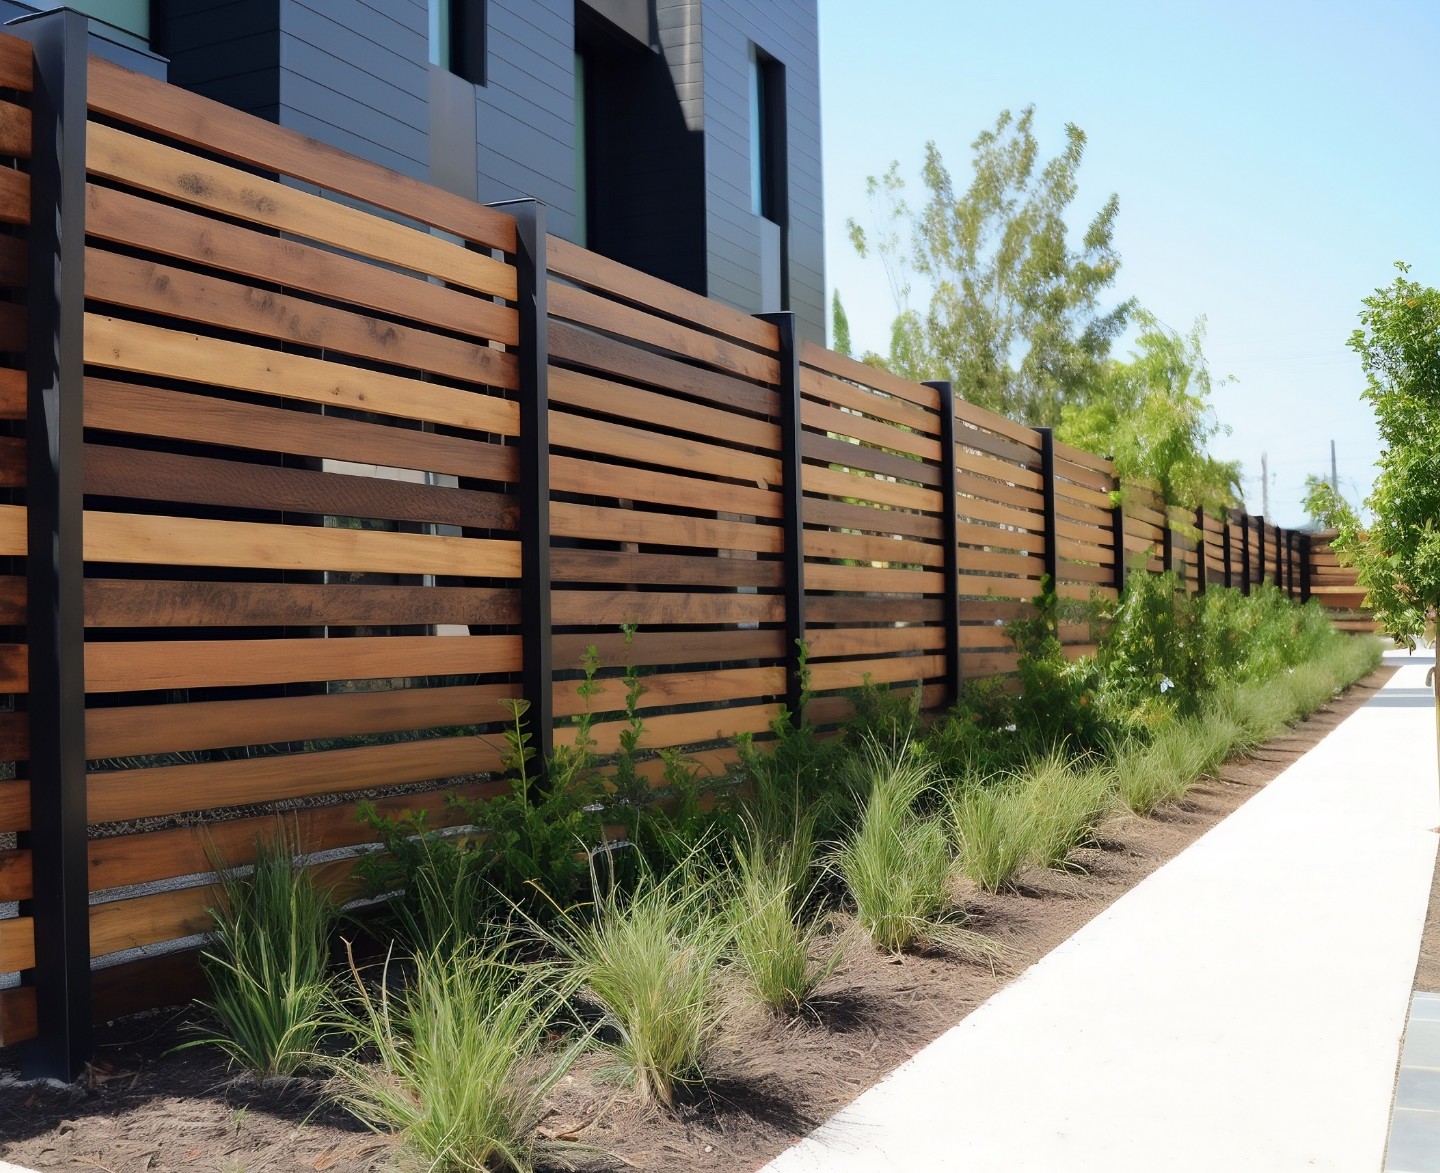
pixel 1305 553
pixel 1202 570
pixel 1225 549
pixel 1245 554
pixel 950 535
pixel 1047 490
pixel 533 492
pixel 55 565
pixel 791 463
pixel 1117 535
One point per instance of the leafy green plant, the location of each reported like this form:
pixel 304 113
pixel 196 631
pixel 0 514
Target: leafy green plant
pixel 650 960
pixel 455 1060
pixel 266 961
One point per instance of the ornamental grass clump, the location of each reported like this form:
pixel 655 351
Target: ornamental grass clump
pixel 1149 775
pixel 995 829
pixel 1069 800
pixel 266 961
pixel 453 1059
pixel 650 961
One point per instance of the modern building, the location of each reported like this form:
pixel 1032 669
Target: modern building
pixel 681 137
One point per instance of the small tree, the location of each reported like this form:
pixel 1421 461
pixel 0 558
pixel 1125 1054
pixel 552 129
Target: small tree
pixel 1397 560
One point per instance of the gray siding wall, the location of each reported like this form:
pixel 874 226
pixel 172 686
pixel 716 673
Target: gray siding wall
pixel 789 34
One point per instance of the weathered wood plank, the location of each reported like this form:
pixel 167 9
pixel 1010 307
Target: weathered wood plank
pixel 664 529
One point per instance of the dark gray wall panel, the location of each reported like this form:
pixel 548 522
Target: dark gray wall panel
pixel 227 51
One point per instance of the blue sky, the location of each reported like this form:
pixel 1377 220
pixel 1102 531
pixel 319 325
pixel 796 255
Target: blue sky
pixel 1272 161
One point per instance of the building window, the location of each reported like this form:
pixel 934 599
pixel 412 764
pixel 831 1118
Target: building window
pixel 767 136
pixel 582 153
pixel 457 38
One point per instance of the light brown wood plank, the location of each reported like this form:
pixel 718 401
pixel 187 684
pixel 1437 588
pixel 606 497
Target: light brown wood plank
pixel 177 354
pixel 592 478
pixel 988 489
pixel 872 641
pixel 873 460
pixel 978 509
pixel 12 394
pixel 676 688
pixel 855 371
pixel 136 794
pixel 17 944
pixel 188 541
pixel 150 411
pixel 14 197
pixel 884 610
pixel 844 484
pixel 588 268
pixel 124 667
pixel 982 586
pixel 999 563
pixel 14 668
pixel 16 875
pixel 623 442
pixel 997 538
pixel 14 130
pixel 13 538
pixel 890 670
pixel 654 408
pixel 822 577
pixel 662 608
pixel 843 515
pixel 686 728
pixel 195 297
pixel 631 525
pixel 17 63
pixel 201 122
pixel 14 806
pixel 118 216
pixel 666 647
pixel 133 730
pixel 844 423
pixel 601 313
pixel 890 409
pixel 821 543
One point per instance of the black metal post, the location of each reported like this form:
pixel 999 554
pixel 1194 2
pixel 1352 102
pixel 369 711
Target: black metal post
pixel 1279 558
pixel 536 631
pixel 950 535
pixel 1117 536
pixel 1245 554
pixel 1202 570
pixel 1167 542
pixel 1260 550
pixel 1225 549
pixel 1305 553
pixel 1047 491
pixel 55 565
pixel 1290 563
pixel 793 473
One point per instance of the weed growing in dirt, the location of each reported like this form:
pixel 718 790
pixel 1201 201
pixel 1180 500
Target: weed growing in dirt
pixel 454 1060
pixel 266 961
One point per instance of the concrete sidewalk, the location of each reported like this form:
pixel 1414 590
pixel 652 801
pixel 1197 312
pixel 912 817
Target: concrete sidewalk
pixel 1241 1009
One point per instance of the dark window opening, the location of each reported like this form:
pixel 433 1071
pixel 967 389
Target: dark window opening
pixel 767 136
pixel 457 38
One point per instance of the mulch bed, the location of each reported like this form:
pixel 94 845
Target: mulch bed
pixel 145 1106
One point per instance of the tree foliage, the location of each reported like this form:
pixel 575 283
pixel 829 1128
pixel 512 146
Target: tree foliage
pixel 1153 415
pixel 1398 560
pixel 1014 317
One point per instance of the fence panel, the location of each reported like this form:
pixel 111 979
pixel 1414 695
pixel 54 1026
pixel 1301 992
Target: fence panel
pixel 667 504
pixel 300 536
pixel 1336 588
pixel 17 941
pixel 1085 536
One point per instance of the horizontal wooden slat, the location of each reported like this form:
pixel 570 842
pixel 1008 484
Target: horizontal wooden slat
pixel 134 730
pixel 874 460
pixel 216 127
pixel 720 724
pixel 853 673
pixel 188 541
pixel 843 515
pixel 632 525
pixel 820 576
pixel 667 647
pixel 569 474
pixel 863 488
pixel 17 63
pixel 663 608
pixel 828 544
pixel 867 376
pixel 190 179
pixel 152 603
pixel 14 737
pixel 14 197
pixel 160 476
pixel 982 585
pixel 674 688
pixel 846 423
pixel 128 219
pixel 150 411
pixel 165 790
pixel 999 538
pixel 14 806
pixel 1084 483
pixel 17 944
pixel 904 413
pixel 124 667
pixel 176 354
pixel 18 1021
pixel 624 442
pixel 975 509
pixel 885 610
pixel 180 294
pixel 610 566
pixel 583 348
pixel 601 313
pixel 12 394
pixel 13 538
pixel 16 876
pixel 871 641
pixel 588 268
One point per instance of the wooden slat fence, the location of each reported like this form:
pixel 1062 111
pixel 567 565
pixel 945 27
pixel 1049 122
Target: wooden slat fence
pixel 310 541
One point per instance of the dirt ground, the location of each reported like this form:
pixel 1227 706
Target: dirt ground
pixel 146 1107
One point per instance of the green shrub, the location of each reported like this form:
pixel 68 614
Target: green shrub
pixel 455 1062
pixel 266 961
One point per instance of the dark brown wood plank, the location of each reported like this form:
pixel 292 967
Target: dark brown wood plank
pixel 18 1021
pixel 667 529
pixel 14 806
pixel 172 979
pixel 835 422
pixel 858 456
pixel 133 220
pixel 12 394
pixel 16 877
pixel 194 480
pixel 17 63
pixel 150 411
pixel 609 566
pixel 14 737
pixel 890 410
pixel 841 609
pixel 14 197
pixel 712 687
pixel 12 462
pixel 647 446
pixel 855 371
pixel 14 262
pixel 668 647
pixel 596 352
pixel 142 603
pixel 663 608
pixel 12 328
pixel 14 130
pixel 844 515
pixel 195 297
pixel 616 482
pixel 204 123
pixel 588 268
